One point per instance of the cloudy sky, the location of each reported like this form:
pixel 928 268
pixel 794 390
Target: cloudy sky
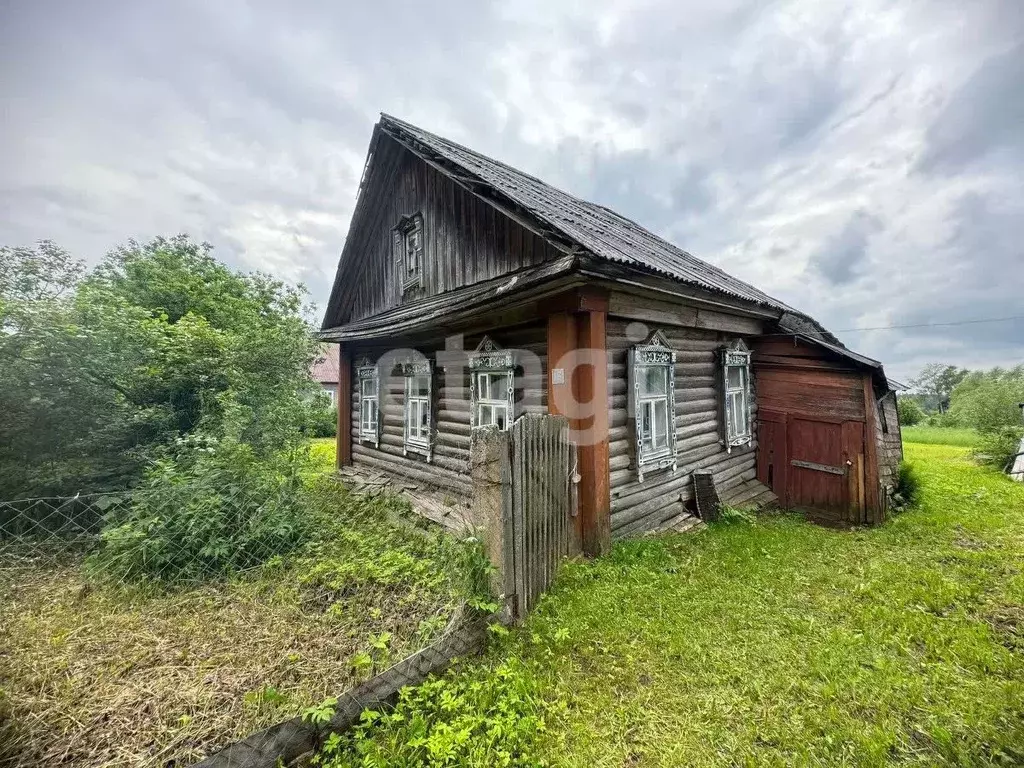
pixel 863 162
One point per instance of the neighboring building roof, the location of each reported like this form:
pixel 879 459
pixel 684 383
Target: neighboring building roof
pixel 597 229
pixel 325 366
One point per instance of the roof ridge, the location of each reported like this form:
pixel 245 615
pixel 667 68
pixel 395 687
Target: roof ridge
pixel 605 232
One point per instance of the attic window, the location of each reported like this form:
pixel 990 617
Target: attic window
pixel 408 245
pixel 736 395
pixel 653 404
pixel 491 386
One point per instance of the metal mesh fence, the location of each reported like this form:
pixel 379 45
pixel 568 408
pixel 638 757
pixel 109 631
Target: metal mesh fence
pixel 53 528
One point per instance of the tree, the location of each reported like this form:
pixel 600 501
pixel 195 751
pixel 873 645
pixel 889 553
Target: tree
pixel 939 380
pixel 100 372
pixel 909 411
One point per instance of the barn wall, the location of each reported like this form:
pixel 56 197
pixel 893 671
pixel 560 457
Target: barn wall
pixel 798 379
pixel 641 506
pixel 465 240
pixel 449 467
pixel 889 439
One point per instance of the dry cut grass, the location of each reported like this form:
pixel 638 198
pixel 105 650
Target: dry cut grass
pixel 94 675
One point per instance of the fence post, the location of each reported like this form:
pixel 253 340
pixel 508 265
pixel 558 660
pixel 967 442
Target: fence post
pixel 491 505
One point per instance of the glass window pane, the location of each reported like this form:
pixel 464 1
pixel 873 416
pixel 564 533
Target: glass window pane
pixel 499 386
pixel 424 419
pixel 484 386
pixel 653 380
pixel 660 424
pixel 500 416
pixel 485 416
pixel 735 376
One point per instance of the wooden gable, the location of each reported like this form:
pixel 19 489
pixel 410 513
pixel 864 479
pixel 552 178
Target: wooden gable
pixel 465 240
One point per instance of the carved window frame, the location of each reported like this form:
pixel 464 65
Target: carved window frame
pixel 408 247
pixel 736 398
pixel 423 404
pixel 654 353
pixel 368 376
pixel 491 359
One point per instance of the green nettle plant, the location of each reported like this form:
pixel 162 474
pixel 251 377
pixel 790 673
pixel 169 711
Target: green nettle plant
pixel 210 509
pixel 470 717
pixel 907 489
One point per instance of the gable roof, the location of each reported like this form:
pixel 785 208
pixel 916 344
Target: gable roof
pixel 576 226
pixel 595 228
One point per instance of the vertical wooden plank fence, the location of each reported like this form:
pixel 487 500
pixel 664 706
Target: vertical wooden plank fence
pixel 541 465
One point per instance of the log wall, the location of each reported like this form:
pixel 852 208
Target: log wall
pixel 449 467
pixel 890 440
pixel 637 507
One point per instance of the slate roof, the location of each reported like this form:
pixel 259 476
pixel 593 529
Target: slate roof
pixel 595 228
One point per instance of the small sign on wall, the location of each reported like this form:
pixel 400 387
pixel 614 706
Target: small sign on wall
pixel 558 375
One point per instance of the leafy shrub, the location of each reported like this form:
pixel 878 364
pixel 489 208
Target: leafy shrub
pixel 907 489
pixel 469 717
pixel 210 509
pixel 1000 446
pixel 322 417
pixel 910 412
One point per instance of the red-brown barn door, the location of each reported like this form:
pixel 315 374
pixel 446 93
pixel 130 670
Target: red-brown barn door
pixel 825 466
pixel 814 464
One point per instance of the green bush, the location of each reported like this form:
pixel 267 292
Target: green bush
pixel 471 717
pixel 322 417
pixel 998 447
pixel 907 489
pixel 910 412
pixel 209 510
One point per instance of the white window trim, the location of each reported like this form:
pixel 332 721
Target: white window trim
pixel 368 372
pixel 655 352
pixel 736 356
pixel 408 226
pixel 415 444
pixel 489 358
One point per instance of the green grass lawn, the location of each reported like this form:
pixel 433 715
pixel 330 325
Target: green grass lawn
pixel 767 643
pixel 966 438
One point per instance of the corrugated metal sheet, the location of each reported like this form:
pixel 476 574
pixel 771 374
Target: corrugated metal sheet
pixel 594 227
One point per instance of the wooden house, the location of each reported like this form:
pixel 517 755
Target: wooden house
pixel 469 293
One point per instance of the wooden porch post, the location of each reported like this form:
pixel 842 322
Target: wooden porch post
pixel 344 402
pixel 579 324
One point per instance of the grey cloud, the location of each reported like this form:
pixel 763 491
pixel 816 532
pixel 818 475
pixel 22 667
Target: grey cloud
pixel 984 117
pixel 842 258
pixel 737 129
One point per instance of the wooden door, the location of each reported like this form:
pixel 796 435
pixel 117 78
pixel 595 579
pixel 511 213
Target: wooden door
pixel 826 464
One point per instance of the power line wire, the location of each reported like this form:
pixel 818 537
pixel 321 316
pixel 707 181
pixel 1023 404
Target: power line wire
pixel 934 325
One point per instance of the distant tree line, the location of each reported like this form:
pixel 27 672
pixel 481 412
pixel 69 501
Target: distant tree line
pixel 987 401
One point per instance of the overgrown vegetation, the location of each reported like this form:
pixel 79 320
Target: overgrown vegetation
pixel 767 642
pixel 122 675
pixel 907 489
pixel 101 370
pixel 208 509
pixel 910 412
pixel 928 435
